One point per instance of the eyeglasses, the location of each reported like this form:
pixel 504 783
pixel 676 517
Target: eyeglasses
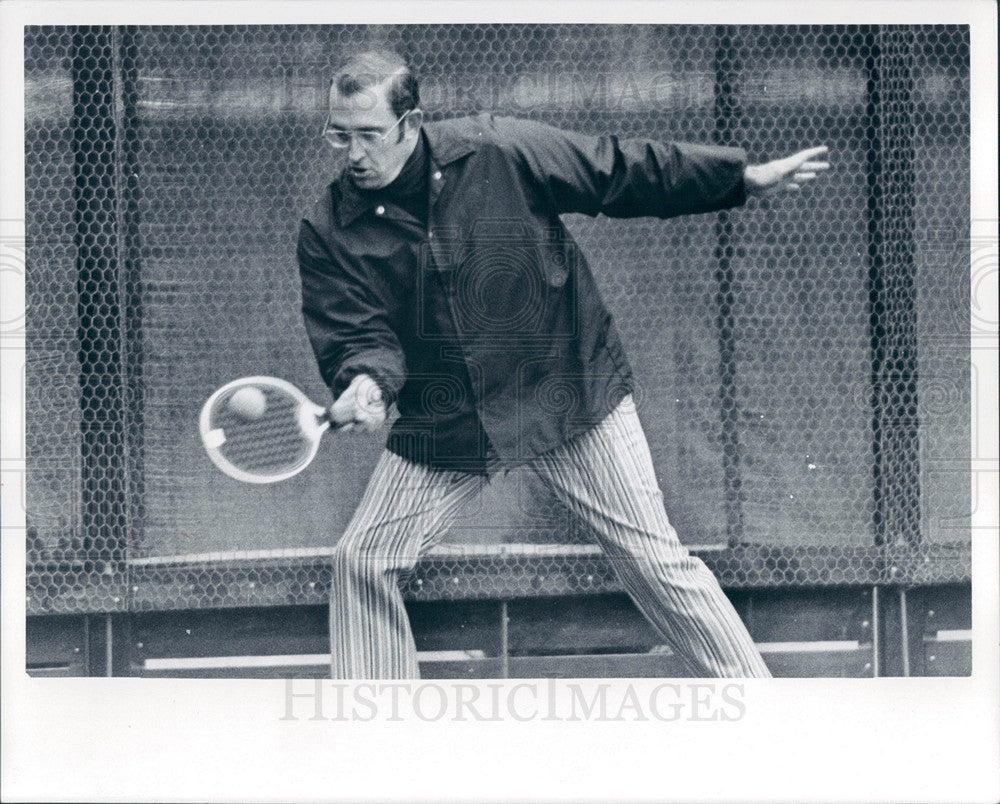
pixel 339 138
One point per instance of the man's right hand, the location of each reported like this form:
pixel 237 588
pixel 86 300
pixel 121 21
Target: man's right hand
pixel 360 408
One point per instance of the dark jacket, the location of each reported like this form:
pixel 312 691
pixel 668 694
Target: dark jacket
pixel 487 328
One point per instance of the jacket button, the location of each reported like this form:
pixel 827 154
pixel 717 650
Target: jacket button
pixel 380 210
pixel 437 175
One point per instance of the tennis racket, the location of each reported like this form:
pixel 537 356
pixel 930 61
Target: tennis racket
pixel 261 429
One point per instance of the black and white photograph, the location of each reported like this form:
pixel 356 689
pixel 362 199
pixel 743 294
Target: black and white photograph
pixel 423 376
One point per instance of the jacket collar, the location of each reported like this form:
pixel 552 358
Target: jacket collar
pixel 444 147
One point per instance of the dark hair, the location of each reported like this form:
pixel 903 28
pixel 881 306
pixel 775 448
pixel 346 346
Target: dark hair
pixel 373 68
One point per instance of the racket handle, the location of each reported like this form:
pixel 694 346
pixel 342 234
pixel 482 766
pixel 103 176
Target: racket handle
pixel 325 417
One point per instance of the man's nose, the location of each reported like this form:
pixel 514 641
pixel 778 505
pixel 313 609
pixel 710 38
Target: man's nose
pixel 354 151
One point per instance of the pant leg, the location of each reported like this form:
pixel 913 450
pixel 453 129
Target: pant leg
pixel 406 508
pixel 605 476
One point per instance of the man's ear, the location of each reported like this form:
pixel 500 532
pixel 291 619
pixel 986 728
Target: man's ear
pixel 414 120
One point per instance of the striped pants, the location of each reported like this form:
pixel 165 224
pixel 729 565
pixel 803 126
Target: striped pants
pixel 605 477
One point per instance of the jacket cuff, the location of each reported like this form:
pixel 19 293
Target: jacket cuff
pixel 737 195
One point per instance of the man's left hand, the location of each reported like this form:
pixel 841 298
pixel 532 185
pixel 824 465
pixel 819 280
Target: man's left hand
pixel 788 174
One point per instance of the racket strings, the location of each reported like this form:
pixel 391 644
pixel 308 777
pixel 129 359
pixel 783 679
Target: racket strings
pixel 270 444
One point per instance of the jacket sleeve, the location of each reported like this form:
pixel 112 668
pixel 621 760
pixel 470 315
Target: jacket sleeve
pixel 346 319
pixel 623 178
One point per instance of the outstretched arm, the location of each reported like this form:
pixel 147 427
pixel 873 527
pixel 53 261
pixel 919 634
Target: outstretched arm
pixel 567 171
pixel 785 174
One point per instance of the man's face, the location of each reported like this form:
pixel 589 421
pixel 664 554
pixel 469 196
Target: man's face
pixel 368 111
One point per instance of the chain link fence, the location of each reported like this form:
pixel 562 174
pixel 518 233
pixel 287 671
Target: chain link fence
pixel 802 363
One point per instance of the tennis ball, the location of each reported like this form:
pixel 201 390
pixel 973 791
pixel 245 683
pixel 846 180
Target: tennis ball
pixel 248 403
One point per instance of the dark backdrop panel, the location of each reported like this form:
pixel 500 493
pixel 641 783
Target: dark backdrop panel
pixel 60 553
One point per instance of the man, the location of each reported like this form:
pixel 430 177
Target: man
pixel 437 275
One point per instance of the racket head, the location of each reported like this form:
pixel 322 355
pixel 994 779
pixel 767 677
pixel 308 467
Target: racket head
pixel 268 448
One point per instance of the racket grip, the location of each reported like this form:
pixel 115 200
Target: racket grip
pixel 326 417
